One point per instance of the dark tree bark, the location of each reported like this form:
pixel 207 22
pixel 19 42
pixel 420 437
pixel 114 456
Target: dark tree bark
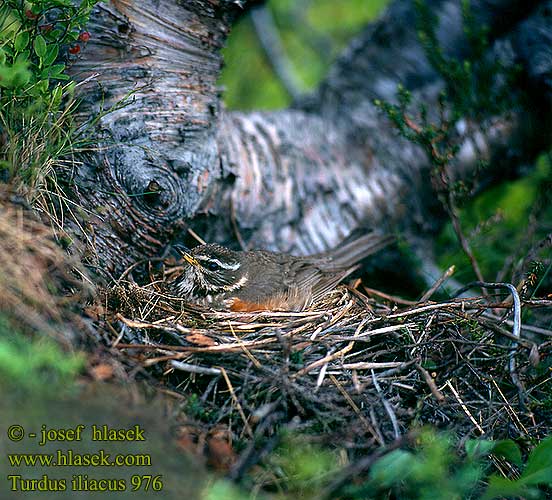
pixel 298 179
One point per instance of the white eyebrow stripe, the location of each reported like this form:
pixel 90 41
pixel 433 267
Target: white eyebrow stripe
pixel 224 265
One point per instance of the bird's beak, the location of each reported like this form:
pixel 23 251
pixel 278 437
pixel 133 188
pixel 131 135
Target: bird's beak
pixel 188 257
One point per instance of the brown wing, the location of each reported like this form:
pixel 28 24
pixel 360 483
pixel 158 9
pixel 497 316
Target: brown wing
pixel 323 272
pixel 314 282
pixel 284 282
pixel 329 282
pixel 272 285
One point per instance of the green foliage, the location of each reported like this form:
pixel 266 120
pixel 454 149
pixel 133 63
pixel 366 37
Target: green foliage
pixel 197 408
pixel 222 490
pixel 36 366
pixel 537 471
pixel 37 136
pixel 33 34
pixel 248 80
pixel 436 138
pixel 480 448
pixel 38 39
pixel 431 471
pixel 472 87
pixel 434 470
pixel 498 222
pixel 475 87
pixel 312 33
pixel 304 467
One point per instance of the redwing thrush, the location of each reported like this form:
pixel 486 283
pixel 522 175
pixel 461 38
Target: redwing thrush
pixel 259 280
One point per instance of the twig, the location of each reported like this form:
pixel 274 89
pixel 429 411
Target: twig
pixel 196 236
pixel 271 43
pixel 133 266
pixel 445 276
pixel 387 406
pixel 250 456
pixel 538 302
pixel 253 359
pixel 509 408
pixel 331 357
pixel 386 329
pixel 372 366
pixel 463 241
pixel 430 307
pixel 516 331
pixel 321 375
pixel 464 407
pixel 354 406
pixel 187 367
pixel 119 335
pixel 392 298
pixel 529 328
pixel 431 384
pixel 236 401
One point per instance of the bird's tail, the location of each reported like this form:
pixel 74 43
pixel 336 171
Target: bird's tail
pixel 352 251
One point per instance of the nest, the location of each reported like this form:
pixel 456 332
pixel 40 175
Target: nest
pixel 354 367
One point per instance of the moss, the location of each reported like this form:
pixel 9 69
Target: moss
pixel 497 222
pixel 35 365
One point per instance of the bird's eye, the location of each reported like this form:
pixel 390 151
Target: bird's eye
pixel 212 266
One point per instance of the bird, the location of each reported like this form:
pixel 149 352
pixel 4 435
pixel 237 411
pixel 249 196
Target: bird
pixel 258 280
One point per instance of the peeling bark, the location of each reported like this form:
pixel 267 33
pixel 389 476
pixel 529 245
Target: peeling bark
pixel 159 155
pixel 295 180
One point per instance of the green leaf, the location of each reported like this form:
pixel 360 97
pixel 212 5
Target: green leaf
pixel 70 88
pixel 54 34
pixel 476 448
pixel 51 55
pixel 509 450
pixel 502 487
pixel 62 77
pixel 467 477
pixel 393 468
pixel 2 57
pixel 56 69
pixel 9 51
pixel 15 76
pixel 39 45
pixel 22 58
pixel 57 93
pixel 539 464
pixel 21 41
pixel 42 86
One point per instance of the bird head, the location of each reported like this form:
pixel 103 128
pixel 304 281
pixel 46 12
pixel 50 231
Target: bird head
pixel 210 269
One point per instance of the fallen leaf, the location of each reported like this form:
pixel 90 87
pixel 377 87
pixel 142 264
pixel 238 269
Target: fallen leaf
pixel 102 371
pixel 200 339
pixel 220 454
